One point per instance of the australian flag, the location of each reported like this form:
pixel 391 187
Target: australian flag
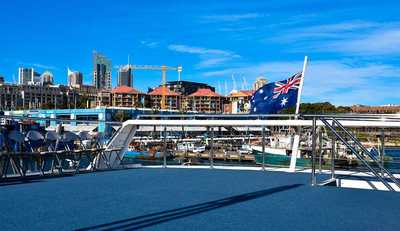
pixel 273 97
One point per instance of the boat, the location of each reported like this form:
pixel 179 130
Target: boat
pixel 199 149
pixel 278 152
pixel 277 159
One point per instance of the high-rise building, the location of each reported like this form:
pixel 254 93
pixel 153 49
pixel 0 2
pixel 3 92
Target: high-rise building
pixel 28 76
pixel 46 78
pixel 125 76
pixel 75 78
pixel 24 75
pixel 101 71
pixel 260 81
pixel 36 80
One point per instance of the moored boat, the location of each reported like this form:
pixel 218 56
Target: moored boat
pixel 278 159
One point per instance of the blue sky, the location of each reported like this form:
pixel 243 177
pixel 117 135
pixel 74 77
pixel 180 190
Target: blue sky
pixel 353 46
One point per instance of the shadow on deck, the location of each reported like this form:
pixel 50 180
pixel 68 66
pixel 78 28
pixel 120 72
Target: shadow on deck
pixel 151 219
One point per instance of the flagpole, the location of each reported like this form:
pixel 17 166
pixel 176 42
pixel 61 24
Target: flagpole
pixel 296 140
pixel 301 86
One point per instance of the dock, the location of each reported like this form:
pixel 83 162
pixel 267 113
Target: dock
pixel 230 156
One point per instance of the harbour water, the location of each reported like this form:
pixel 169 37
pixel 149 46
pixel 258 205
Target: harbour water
pixel 392 160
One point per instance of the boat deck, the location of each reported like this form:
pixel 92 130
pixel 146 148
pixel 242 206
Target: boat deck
pixel 192 199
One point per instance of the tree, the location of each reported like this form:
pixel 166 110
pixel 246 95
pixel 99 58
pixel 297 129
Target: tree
pixel 121 116
pixel 317 108
pixel 48 105
pixel 82 101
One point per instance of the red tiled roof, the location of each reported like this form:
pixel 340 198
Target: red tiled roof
pixel 125 90
pixel 159 91
pixel 248 92
pixel 242 93
pixel 205 92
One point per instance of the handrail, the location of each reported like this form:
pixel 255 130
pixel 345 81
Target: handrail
pixel 357 154
pixel 58 120
pixel 306 116
pixel 368 153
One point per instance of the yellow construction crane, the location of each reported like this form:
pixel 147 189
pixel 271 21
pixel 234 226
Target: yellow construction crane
pixel 164 70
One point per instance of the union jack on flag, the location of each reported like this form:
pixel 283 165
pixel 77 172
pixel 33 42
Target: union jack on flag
pixel 273 97
pixel 283 87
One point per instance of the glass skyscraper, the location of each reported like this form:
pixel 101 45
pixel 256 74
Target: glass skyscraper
pixel 125 76
pixel 101 71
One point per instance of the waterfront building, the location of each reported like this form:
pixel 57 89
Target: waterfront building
pixel 205 101
pixel 125 76
pixel 28 76
pixel 47 96
pixel 104 98
pixel 13 97
pixel 239 102
pixel 124 96
pixel 186 88
pixel 87 95
pixel 260 81
pixel 383 109
pixel 172 99
pixel 47 78
pixel 101 71
pixel 75 78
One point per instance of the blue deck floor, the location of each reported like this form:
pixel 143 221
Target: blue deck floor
pixel 193 199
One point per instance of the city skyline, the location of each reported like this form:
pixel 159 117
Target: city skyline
pixel 353 53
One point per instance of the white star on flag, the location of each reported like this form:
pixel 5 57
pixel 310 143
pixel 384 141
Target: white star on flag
pixel 284 101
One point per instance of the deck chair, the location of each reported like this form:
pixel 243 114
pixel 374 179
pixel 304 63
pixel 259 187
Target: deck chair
pixel 15 144
pixel 51 139
pixel 68 140
pixel 3 155
pixel 52 143
pixel 34 143
pixel 85 153
pixel 35 140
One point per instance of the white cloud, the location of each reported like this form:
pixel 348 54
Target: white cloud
pixel 38 65
pixel 199 50
pixel 231 17
pixel 326 31
pixel 380 42
pixel 349 38
pixel 336 81
pixel 149 44
pixel 208 57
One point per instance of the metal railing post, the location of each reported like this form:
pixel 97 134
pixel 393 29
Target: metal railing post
pixel 382 151
pixel 320 150
pixel 333 153
pixel 212 149
pixel 263 147
pixel 314 151
pixel 165 147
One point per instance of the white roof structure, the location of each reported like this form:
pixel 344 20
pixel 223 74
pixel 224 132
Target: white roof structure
pixel 259 123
